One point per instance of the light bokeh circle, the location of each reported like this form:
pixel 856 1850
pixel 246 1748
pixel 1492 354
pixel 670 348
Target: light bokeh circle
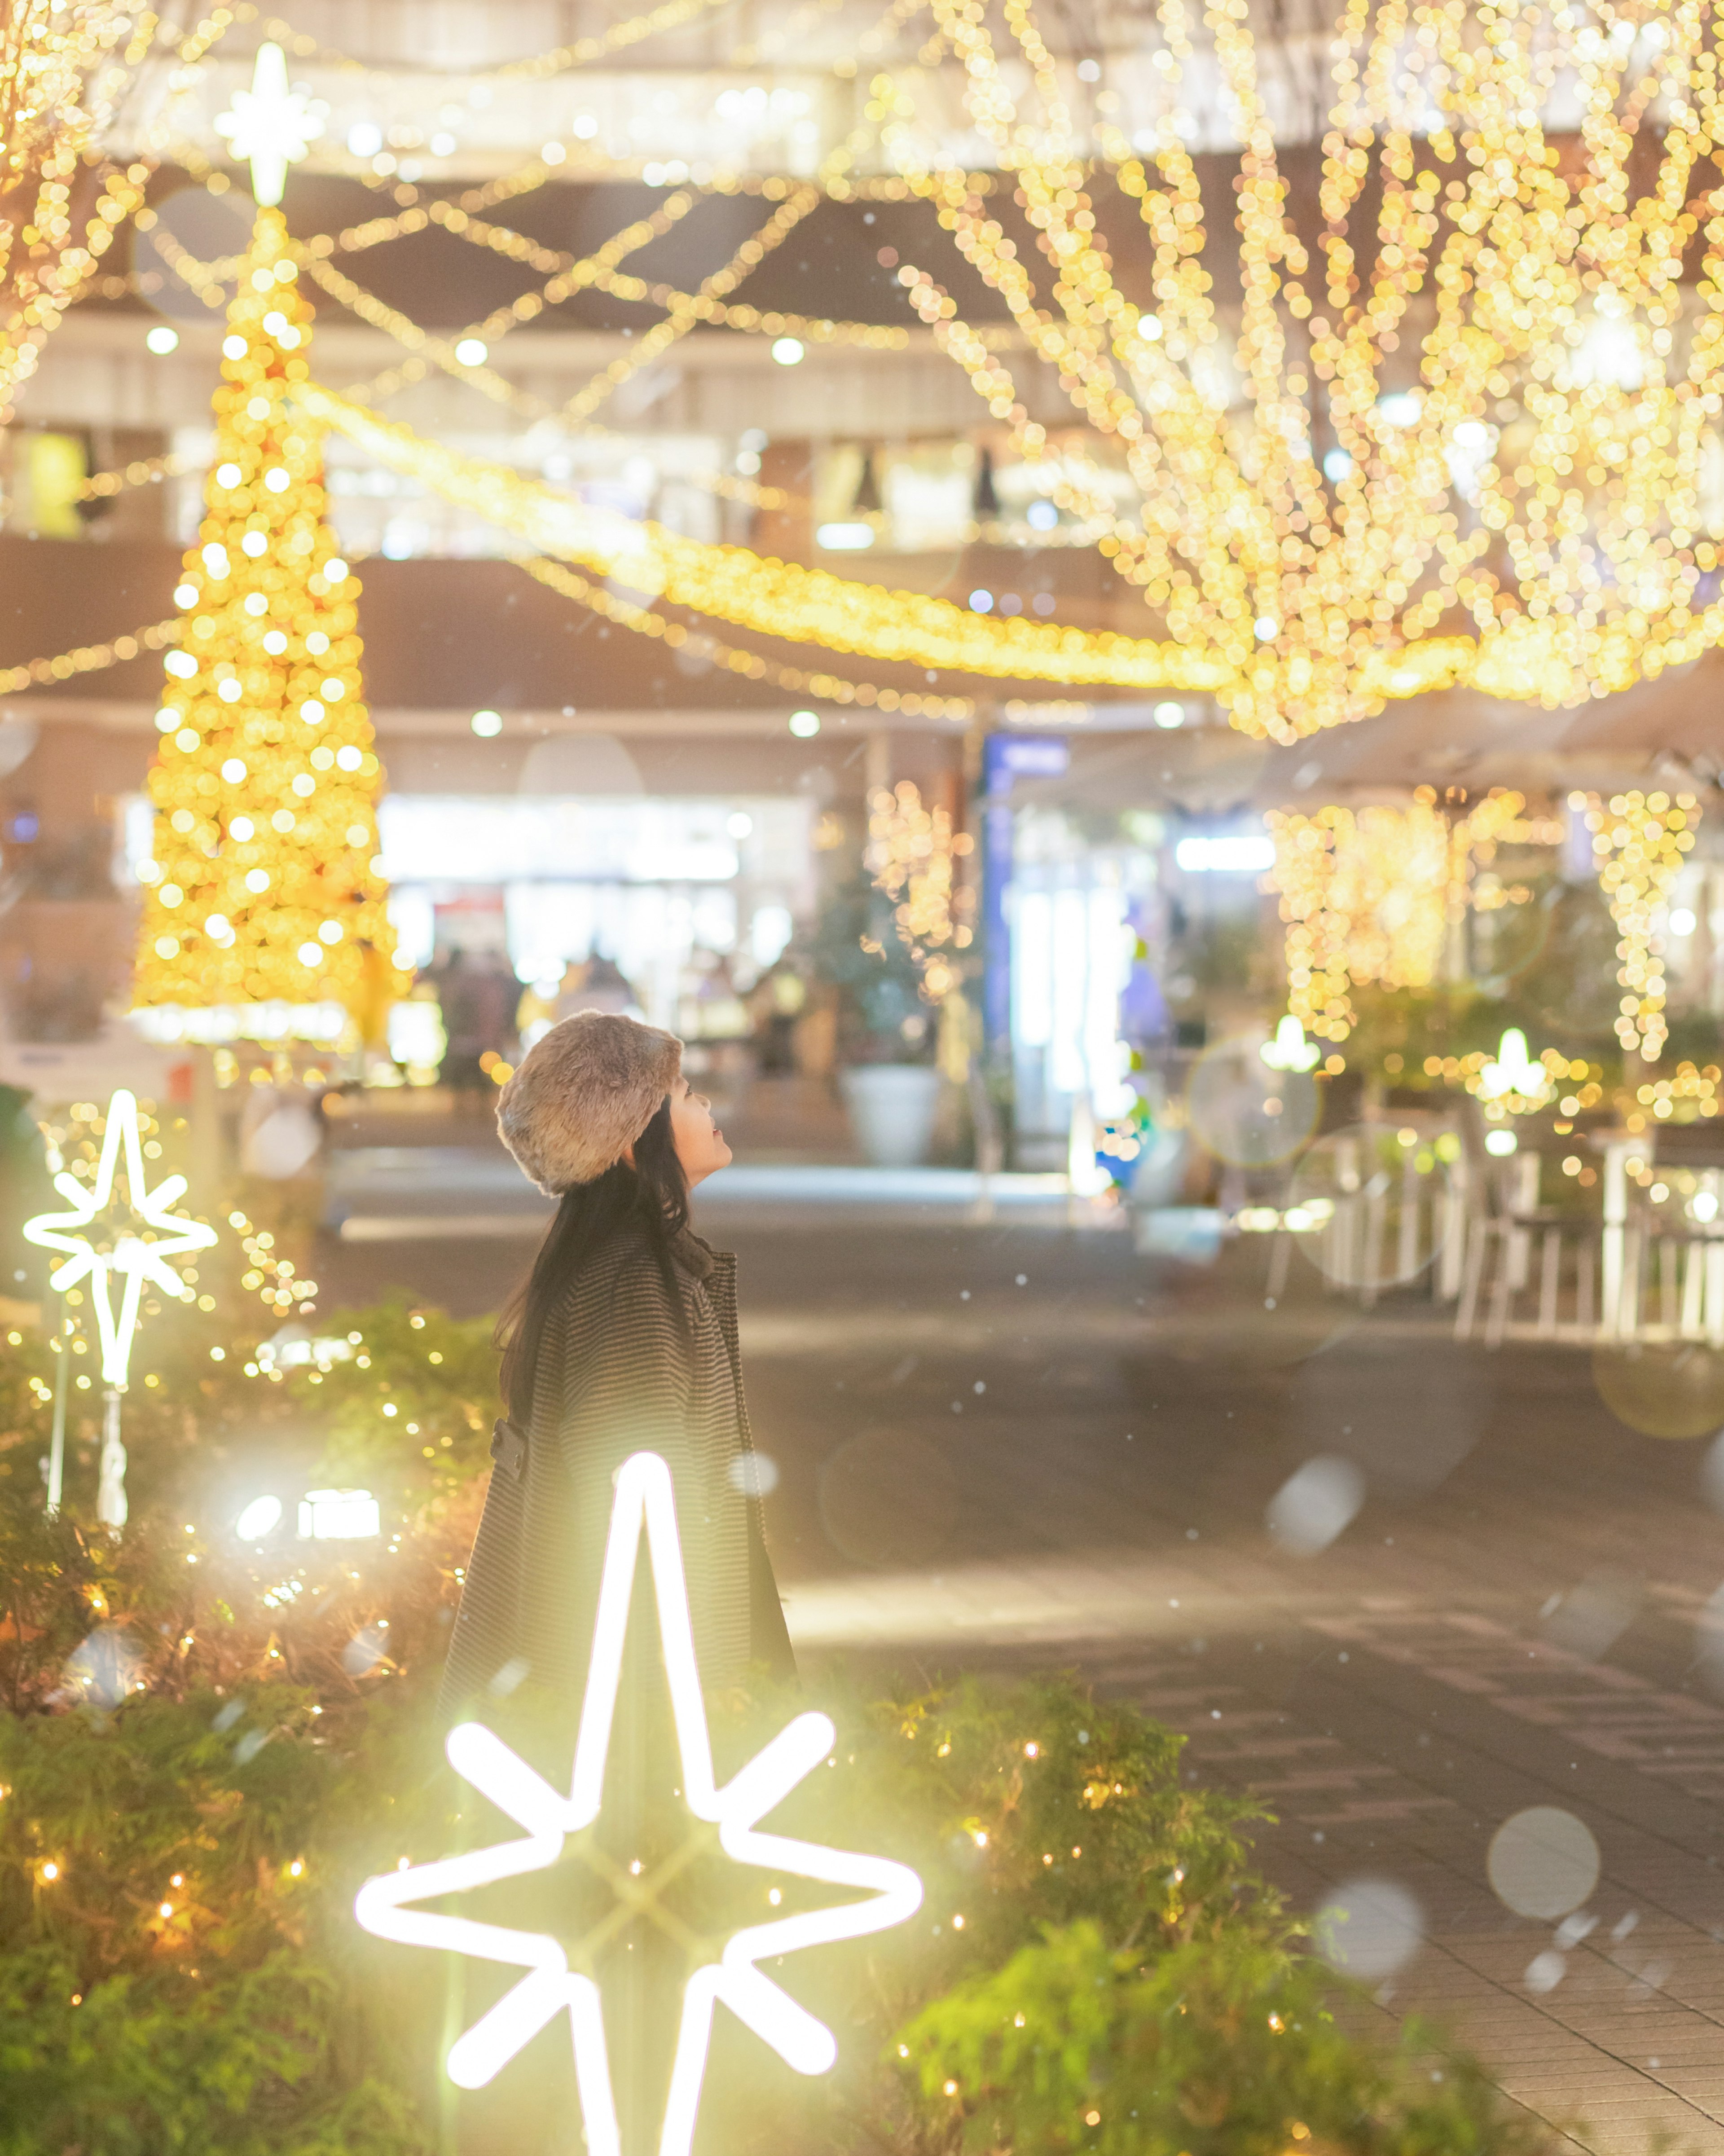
pixel 1243 1111
pixel 1543 1862
pixel 1368 1208
pixel 1316 1503
pixel 1369 1928
pixel 1668 1388
pixel 889 1498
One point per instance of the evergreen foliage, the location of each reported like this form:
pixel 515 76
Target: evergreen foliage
pixel 205 1748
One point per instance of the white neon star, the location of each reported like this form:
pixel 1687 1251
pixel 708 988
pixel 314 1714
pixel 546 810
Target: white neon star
pixel 644 1503
pixel 271 127
pixel 132 1259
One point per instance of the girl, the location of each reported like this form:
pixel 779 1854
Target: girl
pixel 623 1340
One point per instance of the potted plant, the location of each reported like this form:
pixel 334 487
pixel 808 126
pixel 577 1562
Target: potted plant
pixel 886 1028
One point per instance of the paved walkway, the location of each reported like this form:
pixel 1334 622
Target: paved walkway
pixel 1016 1446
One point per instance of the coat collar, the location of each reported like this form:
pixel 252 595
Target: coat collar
pixel 697 1258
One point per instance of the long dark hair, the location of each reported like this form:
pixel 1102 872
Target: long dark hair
pixel 653 1194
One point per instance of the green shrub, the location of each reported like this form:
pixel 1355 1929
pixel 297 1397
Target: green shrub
pixel 190 1739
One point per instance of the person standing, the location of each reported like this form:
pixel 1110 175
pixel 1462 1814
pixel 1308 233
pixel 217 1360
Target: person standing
pixel 623 1339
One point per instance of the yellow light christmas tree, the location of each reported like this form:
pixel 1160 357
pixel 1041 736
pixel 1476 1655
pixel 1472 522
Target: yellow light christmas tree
pixel 263 889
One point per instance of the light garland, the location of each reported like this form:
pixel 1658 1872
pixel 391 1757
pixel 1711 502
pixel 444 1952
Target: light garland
pixel 912 854
pixel 737 659
pixel 559 59
pixel 776 598
pixel 1519 411
pixel 1639 840
pixel 1372 895
pixel 752 666
pixel 88 657
pixel 141 471
pixel 571 273
pixel 62 72
pixel 633 30
pixel 263 889
pixel 1692 1092
pixel 1321 593
pixel 644 1507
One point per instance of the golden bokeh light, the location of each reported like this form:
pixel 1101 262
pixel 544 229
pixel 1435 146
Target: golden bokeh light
pixel 264 886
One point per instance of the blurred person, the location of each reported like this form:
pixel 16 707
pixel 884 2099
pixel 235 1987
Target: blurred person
pixel 601 985
pixel 479 996
pixel 712 1009
pixel 535 1013
pixel 623 1338
pixel 776 1002
pixel 464 1001
pixel 372 999
pixel 500 1000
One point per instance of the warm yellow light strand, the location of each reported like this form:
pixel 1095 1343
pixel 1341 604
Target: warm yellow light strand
pixel 773 597
pixel 1373 895
pixel 1639 841
pixel 88 658
pixel 737 659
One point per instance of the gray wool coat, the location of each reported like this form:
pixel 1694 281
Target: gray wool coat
pixel 619 1371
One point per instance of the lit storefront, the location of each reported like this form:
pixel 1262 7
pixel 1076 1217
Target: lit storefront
pixel 656 886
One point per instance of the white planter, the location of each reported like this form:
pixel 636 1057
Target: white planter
pixel 891 1108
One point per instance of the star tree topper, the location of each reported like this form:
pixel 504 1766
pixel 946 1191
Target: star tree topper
pixel 270 126
pixel 643 1505
pixel 132 1259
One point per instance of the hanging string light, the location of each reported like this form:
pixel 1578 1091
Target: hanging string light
pixel 912 854
pixel 88 658
pixel 735 658
pixel 1538 486
pixel 1639 840
pixel 1471 435
pixel 63 71
pixel 1374 895
pixel 773 597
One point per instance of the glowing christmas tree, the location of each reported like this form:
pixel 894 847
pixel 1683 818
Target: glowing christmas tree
pixel 263 888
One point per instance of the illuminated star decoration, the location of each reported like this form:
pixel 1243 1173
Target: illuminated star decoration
pixel 132 1259
pixel 1514 1070
pixel 644 1503
pixel 1288 1050
pixel 270 126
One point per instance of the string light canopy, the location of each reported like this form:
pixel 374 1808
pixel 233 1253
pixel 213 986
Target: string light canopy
pixel 1466 432
pixel 1466 438
pixel 773 597
pixel 263 911
pixel 1377 894
pixel 66 67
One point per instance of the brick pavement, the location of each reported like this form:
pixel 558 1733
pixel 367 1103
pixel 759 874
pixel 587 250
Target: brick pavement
pixel 1073 1472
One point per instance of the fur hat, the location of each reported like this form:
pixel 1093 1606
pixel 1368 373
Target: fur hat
pixel 582 1095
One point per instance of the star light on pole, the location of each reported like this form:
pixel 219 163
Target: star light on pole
pixel 1289 1050
pixel 643 1505
pixel 132 1257
pixel 270 126
pixel 1514 1071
